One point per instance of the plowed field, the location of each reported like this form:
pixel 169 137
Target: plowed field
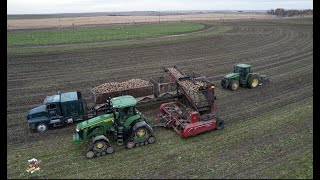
pixel 268 130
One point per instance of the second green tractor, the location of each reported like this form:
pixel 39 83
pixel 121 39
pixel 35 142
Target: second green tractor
pixel 242 75
pixel 124 123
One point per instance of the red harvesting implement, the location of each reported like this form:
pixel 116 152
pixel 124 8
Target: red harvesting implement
pixel 193 112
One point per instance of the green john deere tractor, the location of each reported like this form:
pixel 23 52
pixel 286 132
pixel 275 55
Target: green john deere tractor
pixel 124 123
pixel 242 75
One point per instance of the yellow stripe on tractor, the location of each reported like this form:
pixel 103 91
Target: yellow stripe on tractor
pixel 106 120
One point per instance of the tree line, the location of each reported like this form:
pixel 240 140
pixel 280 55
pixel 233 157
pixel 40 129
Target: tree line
pixel 288 13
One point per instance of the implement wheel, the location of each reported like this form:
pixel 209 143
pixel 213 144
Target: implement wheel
pixel 234 85
pixel 253 81
pixel 220 124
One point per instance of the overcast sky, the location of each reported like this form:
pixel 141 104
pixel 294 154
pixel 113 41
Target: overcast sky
pixel 81 6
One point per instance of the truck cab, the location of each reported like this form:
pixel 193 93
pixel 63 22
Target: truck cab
pixel 57 110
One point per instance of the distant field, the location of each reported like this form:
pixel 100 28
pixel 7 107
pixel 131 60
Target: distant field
pixel 63 36
pixel 67 22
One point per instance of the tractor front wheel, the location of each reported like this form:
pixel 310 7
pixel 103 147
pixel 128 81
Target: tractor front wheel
pixel 151 140
pixel 90 154
pixel 130 144
pixel 234 85
pixel 110 149
pixel 99 148
pixel 253 81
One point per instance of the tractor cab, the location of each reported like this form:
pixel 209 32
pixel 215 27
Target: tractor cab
pixel 118 121
pixel 123 108
pixel 243 70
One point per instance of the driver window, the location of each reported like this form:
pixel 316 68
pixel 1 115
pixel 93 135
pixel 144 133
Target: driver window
pixel 51 106
pixel 52 109
pixel 130 111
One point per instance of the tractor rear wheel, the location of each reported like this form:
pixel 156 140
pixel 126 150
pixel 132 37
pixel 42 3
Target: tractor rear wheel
pixel 253 81
pixel 140 137
pixel 234 85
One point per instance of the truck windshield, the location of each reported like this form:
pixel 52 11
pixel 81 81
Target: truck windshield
pixel 69 96
pixel 50 99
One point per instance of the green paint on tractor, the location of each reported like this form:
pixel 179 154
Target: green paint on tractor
pixel 232 75
pixel 123 101
pixel 242 76
pixel 124 123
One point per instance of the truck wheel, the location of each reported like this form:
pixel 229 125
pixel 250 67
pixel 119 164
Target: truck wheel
pixel 253 81
pixel 234 85
pixel 220 124
pixel 42 127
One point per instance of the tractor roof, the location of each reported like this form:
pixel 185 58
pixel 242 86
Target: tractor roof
pixel 123 101
pixel 243 65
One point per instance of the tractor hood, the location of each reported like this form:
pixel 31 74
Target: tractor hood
pixel 93 121
pixel 232 75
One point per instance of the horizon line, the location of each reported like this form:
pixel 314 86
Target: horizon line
pixel 152 11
